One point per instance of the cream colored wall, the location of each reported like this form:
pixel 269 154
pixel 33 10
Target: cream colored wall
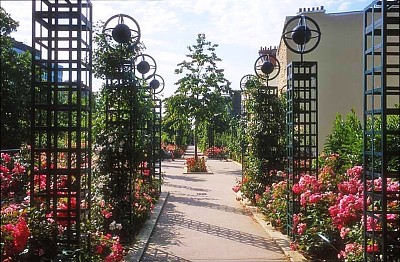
pixel 340 67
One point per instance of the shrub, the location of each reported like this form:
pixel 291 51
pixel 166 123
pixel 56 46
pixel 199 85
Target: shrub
pixel 176 150
pixel 217 152
pixel 346 140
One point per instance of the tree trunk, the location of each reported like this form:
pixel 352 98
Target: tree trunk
pixel 195 140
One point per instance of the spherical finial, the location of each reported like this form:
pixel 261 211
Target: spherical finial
pixel 154 84
pixel 143 67
pixel 301 34
pixel 267 67
pixel 121 33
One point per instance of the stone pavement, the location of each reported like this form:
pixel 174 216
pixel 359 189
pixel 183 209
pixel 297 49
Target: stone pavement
pixel 202 221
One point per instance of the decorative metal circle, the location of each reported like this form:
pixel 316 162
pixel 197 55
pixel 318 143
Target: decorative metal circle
pixel 267 67
pixel 121 29
pixel 157 84
pixel 301 37
pixel 244 80
pixel 145 66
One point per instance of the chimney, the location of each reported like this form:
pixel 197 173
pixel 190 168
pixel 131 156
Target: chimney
pixel 312 10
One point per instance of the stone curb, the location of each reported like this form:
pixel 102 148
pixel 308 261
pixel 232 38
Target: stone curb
pixel 280 239
pixel 136 252
pixel 185 172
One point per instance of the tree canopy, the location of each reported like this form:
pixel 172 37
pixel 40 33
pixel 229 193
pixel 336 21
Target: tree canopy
pixel 15 72
pixel 202 84
pixel 202 89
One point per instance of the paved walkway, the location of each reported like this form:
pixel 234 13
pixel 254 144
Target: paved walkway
pixel 202 221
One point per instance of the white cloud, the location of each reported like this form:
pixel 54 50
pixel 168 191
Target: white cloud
pixel 240 27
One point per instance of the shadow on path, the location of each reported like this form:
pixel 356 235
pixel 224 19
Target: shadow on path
pixel 196 202
pixel 185 187
pixel 186 178
pixel 155 254
pixel 223 232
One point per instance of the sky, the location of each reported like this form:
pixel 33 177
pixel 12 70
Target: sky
pixel 168 27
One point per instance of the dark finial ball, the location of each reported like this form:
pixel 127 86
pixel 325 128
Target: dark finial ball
pixel 121 33
pixel 301 34
pixel 154 84
pixel 267 67
pixel 143 67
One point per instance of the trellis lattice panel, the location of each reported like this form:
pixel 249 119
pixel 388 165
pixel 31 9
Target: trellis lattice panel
pixel 301 128
pixel 156 141
pixel 381 131
pixel 121 151
pixel 61 119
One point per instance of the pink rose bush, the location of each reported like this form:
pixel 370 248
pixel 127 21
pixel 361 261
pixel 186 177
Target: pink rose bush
pixel 15 232
pixel 329 224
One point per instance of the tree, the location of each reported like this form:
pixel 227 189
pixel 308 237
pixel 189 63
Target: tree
pixel 203 84
pixel 15 72
pixel 175 127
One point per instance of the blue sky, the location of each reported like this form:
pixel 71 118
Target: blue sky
pixel 239 27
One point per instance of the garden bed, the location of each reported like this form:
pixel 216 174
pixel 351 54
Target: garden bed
pixel 185 172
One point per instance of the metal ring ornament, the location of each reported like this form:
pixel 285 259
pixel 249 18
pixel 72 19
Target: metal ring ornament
pixel 121 29
pixel 157 84
pixel 306 32
pixel 244 80
pixel 145 66
pixel 267 67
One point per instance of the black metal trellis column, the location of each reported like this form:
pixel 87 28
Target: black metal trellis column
pixel 61 119
pixel 381 131
pixel 156 86
pixel 144 71
pixel 243 122
pixel 156 140
pixel 302 128
pixel 301 35
pixel 120 114
pixel 267 68
pixel 122 34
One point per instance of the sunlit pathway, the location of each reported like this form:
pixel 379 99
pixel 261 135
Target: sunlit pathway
pixel 202 221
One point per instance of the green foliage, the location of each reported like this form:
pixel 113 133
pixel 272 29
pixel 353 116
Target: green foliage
pixel 15 72
pixel 7 24
pixel 176 127
pixel 346 140
pixel 265 135
pixel 122 120
pixel 374 142
pixel 235 140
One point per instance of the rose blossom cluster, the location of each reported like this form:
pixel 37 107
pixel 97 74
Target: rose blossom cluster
pixel 107 248
pixel 14 231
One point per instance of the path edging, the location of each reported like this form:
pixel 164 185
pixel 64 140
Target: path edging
pixel 136 252
pixel 280 239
